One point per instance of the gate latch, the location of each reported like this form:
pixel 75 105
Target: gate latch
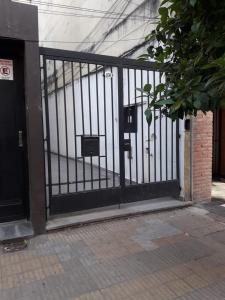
pixel 130 119
pixel 20 138
pixel 127 145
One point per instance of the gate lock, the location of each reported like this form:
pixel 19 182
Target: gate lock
pixel 127 145
pixel 20 139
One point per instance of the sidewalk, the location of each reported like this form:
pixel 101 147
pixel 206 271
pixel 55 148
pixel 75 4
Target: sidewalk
pixel 171 255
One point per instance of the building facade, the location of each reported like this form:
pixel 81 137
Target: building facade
pixel 81 140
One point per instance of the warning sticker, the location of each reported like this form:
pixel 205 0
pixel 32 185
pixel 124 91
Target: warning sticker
pixel 6 69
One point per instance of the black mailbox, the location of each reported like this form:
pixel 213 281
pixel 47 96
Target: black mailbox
pixel 89 146
pixel 130 119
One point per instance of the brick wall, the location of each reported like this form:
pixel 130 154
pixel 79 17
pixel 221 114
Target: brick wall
pixel 202 156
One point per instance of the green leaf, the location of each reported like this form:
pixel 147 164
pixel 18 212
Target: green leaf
pixel 147 88
pixel 176 105
pixel 211 81
pixel 195 27
pixel 160 88
pixel 163 11
pixel 209 66
pixel 197 103
pixel 201 101
pixel 150 37
pixel 193 2
pixel 165 102
pixel 148 115
pixel 164 2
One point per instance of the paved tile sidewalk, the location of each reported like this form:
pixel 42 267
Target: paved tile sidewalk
pixel 170 255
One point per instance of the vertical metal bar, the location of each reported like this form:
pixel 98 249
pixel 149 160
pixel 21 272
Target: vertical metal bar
pixel 149 174
pixel 178 149
pixel 43 119
pixel 105 128
pixel 136 147
pixel 121 129
pixel 166 148
pixel 128 95
pixel 219 135
pixel 47 132
pixel 97 103
pixel 90 120
pixel 166 133
pixel 57 127
pixel 154 132
pixel 113 137
pixel 171 149
pixel 66 129
pixel 82 113
pixel 142 129
pixel 160 132
pixel 75 127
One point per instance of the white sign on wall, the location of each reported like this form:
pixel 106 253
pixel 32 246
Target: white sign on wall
pixel 6 69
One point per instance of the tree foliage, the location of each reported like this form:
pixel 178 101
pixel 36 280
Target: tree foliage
pixel 189 41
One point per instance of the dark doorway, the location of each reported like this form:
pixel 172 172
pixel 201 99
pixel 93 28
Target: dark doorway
pixel 219 144
pixel 222 143
pixel 218 185
pixel 13 132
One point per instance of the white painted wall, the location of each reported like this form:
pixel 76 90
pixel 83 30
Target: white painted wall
pixel 120 26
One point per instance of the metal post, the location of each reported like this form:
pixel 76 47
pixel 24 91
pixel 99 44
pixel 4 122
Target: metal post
pixel 121 130
pixel 47 132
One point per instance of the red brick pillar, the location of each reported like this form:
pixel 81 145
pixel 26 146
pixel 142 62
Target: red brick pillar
pixel 202 131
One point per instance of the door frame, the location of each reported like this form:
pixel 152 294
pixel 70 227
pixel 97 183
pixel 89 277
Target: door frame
pixel 15 15
pixel 9 47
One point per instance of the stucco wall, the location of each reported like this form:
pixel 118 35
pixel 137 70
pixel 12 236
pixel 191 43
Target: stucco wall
pixel 110 27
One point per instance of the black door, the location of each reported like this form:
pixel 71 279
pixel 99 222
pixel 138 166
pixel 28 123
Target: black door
pixel 12 133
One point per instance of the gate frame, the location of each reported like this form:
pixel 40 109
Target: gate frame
pixel 123 192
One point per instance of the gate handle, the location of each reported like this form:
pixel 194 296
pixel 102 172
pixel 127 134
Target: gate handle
pixel 20 134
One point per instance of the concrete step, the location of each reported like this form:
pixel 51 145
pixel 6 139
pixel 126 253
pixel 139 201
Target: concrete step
pixel 115 212
pixel 15 230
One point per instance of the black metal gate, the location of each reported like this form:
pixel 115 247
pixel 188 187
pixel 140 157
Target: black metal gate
pixel 99 149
